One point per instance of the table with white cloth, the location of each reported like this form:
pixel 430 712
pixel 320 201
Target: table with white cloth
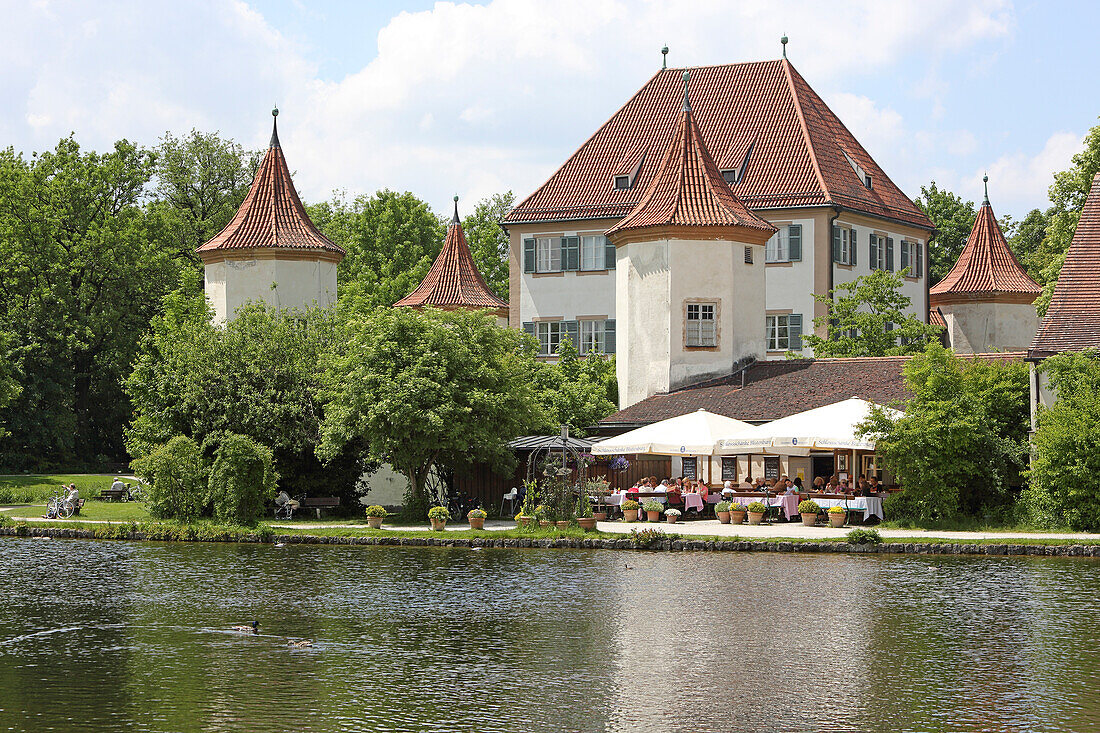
pixel 871 505
pixel 789 502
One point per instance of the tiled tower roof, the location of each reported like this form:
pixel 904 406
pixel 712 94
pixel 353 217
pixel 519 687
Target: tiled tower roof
pixel 986 269
pixel 454 280
pixel 687 189
pixel 1072 321
pixel 272 216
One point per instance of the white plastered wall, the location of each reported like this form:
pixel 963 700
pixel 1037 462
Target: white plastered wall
pixel 790 285
pixel 296 283
pixel 979 328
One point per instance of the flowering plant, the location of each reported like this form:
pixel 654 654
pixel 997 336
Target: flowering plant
pixel 374 510
pixel 757 507
pixel 653 506
pixel 722 506
pixel 738 508
pixel 672 512
pixel 837 510
pixel 439 513
pixel 630 505
pixel 809 506
pixel 476 514
pixel 619 463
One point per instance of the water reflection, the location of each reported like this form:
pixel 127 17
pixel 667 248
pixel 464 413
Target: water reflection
pixel 102 636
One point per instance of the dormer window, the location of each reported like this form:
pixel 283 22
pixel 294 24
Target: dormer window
pixel 622 183
pixel 734 176
pixel 730 175
pixel 629 167
pixel 863 176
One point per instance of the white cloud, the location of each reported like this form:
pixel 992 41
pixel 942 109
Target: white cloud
pixel 1019 182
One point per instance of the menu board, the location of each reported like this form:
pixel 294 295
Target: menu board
pixel 771 468
pixel 690 467
pixel 729 468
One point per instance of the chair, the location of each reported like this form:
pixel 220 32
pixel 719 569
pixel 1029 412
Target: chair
pixel 510 497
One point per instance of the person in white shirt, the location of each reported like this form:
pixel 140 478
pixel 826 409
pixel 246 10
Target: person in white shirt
pixel 118 485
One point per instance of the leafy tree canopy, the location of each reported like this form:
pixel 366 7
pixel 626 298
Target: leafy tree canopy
pixel 489 242
pixel 954 218
pixel 575 391
pixel 860 314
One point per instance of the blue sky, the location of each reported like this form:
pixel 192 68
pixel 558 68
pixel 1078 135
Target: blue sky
pixel 475 98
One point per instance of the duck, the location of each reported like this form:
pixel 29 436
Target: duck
pixel 253 629
pixel 280 544
pixel 300 644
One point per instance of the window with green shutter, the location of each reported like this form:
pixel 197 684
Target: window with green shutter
pixel 794 326
pixel 570 253
pixel 572 330
pixel 890 254
pixel 920 258
pixel 529 254
pixel 836 243
pixel 794 242
pixel 905 246
pixel 609 336
pixel 852 249
pixel 873 253
pixel 608 254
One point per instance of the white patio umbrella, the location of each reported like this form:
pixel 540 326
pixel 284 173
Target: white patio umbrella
pixel 694 434
pixel 832 427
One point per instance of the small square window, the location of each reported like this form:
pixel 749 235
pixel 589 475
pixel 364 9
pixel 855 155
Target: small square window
pixel 701 327
pixel 622 182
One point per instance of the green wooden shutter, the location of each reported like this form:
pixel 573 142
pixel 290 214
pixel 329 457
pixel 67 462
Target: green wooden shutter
pixel 794 242
pixel 836 243
pixel 873 251
pixel 570 253
pixel 609 336
pixel 852 247
pixel 572 329
pixel 920 258
pixel 608 254
pixel 905 255
pixel 794 330
pixel 890 254
pixel 529 255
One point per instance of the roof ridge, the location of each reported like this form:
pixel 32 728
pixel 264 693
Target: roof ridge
pixel 796 100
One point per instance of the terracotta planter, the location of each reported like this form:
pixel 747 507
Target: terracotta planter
pixel 375 522
pixel 630 515
pixel 837 519
pixel 672 518
pixel 477 522
pixel 562 524
pixel 653 516
pixel 439 524
pixel 587 523
pixel 737 517
pixel 524 521
pixel 600 516
pixel 723 517
pixel 809 519
pixel 544 523
pixel 756 517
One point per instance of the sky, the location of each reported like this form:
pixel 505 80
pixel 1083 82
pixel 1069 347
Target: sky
pixel 443 98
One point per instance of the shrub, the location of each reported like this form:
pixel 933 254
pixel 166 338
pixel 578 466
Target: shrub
pixel 241 480
pixel 375 510
pixel 757 507
pixel 672 512
pixel 864 537
pixel 630 505
pixel 808 506
pixel 653 506
pixel 837 510
pixel 584 505
pixel 439 513
pixel 542 511
pixel 722 506
pixel 177 476
pixel 650 536
pixel 476 514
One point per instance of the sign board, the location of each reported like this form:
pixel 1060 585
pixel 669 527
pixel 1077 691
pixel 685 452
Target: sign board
pixel 690 467
pixel 771 468
pixel 729 468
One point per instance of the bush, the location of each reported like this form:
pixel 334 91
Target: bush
pixel 583 509
pixel 439 513
pixel 177 476
pixel 653 506
pixel 864 537
pixel 650 536
pixel 757 507
pixel 630 505
pixel 374 510
pixel 242 480
pixel 722 506
pixel 808 506
pixel 476 514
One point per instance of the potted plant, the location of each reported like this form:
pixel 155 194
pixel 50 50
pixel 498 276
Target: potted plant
pixel 653 510
pixel 438 515
pixel 523 520
pixel 808 508
pixel 596 487
pixel 672 515
pixel 375 515
pixel 477 518
pixel 630 510
pixel 737 513
pixel 542 513
pixel 756 512
pixel 722 509
pixel 838 515
pixel 583 511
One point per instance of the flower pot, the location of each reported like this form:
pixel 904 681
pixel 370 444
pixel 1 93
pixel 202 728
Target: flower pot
pixel 630 515
pixel 653 516
pixel 809 519
pixel 837 519
pixel 439 524
pixel 723 517
pixel 477 522
pixel 524 521
pixel 600 516
pixel 587 523
pixel 737 517
pixel 544 523
pixel 756 517
pixel 375 522
pixel 672 518
pixel 563 524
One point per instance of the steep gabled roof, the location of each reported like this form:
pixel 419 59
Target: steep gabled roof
pixel 1072 321
pixel 454 280
pixel 687 189
pixel 986 268
pixel 272 215
pixel 761 116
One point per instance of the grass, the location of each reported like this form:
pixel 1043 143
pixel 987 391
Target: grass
pixel 37 488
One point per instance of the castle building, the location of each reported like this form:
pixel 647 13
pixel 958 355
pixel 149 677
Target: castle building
pixel 270 251
pixel 985 302
pixel 454 282
pixel 783 153
pixel 689 273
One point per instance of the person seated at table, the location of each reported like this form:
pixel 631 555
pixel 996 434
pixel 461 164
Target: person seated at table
pixel 674 494
pixel 789 488
pixel 747 483
pixel 727 488
pixel 760 485
pixel 843 488
pixel 819 484
pixel 797 483
pixel 702 489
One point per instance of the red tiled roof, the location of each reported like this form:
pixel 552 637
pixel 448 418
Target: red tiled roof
pixel 935 317
pixel 775 389
pixel 1072 321
pixel 986 267
pixel 688 190
pixel 762 112
pixel 272 215
pixel 454 280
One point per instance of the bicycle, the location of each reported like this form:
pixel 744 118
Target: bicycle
pixel 60 506
pixel 135 493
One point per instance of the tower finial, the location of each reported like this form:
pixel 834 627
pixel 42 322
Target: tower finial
pixel 783 40
pixel 687 102
pixel 455 219
pixel 274 127
pixel 985 180
pixel 664 56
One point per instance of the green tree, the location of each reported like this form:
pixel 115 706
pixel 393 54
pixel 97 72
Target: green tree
pixel 1063 488
pixel 391 240
pixel 961 442
pixel 867 317
pixel 953 218
pixel 177 477
pixel 575 391
pixel 242 479
pixel 489 242
pixel 427 388
pixel 1025 239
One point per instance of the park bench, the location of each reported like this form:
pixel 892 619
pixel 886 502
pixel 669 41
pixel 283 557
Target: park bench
pixel 113 494
pixel 320 502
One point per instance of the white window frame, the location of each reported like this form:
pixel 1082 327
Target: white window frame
pixel 548 254
pixel 880 253
pixel 701 325
pixel 594 335
pixel 592 253
pixel 846 237
pixel 549 335
pixel 778 331
pixel 778 248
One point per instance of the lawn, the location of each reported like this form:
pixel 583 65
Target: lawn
pixel 107 511
pixel 36 488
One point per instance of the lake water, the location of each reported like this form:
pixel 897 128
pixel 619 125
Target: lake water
pixel 113 635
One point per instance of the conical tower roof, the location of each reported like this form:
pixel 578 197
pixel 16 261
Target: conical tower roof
pixel 271 217
pixel 688 191
pixel 454 280
pixel 986 269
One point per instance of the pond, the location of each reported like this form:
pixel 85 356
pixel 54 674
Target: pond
pixel 104 636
